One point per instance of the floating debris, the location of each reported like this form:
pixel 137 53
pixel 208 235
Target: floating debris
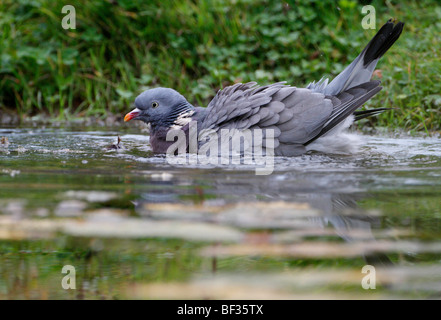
pixel 91 196
pixel 245 286
pixel 11 172
pixel 115 146
pixel 70 208
pixel 207 291
pixel 302 283
pixel 4 142
pixel 107 215
pixel 248 215
pixel 163 176
pixel 132 228
pixel 313 249
pixel 13 229
pixel 41 212
pixel 108 224
pixel 21 149
pixel 14 208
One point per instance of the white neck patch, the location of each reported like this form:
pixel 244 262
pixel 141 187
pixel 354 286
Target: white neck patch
pixel 182 119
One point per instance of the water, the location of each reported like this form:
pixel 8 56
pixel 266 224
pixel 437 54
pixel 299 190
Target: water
pixel 134 226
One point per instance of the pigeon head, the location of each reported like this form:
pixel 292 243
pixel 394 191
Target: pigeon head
pixel 159 107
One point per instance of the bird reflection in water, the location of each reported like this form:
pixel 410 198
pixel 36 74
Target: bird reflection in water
pixel 339 212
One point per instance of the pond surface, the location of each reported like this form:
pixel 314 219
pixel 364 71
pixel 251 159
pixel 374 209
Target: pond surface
pixel 134 226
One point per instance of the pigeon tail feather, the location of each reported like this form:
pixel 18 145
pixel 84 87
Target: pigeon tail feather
pixel 361 69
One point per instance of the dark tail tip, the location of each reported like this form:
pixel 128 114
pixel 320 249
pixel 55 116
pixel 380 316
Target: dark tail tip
pixel 369 113
pixel 383 40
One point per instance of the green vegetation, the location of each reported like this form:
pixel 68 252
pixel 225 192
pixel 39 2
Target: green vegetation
pixel 121 47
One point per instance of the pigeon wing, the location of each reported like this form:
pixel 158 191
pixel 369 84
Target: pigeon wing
pixel 295 114
pixel 298 116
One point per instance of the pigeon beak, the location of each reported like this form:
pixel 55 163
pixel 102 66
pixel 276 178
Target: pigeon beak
pixel 132 114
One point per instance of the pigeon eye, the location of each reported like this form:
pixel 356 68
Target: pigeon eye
pixel 155 104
